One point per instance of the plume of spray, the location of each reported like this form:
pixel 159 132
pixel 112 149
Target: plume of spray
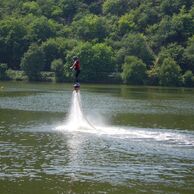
pixel 76 121
pixel 76 118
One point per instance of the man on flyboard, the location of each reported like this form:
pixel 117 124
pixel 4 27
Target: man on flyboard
pixel 76 68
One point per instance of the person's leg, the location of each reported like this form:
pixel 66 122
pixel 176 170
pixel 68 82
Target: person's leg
pixel 76 75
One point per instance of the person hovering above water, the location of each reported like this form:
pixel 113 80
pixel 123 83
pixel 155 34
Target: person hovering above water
pixel 76 67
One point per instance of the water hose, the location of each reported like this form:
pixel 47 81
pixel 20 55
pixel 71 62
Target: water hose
pixel 80 106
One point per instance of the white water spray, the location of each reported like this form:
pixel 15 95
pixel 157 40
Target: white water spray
pixel 76 119
pixel 78 122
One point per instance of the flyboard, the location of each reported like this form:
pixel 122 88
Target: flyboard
pixel 76 86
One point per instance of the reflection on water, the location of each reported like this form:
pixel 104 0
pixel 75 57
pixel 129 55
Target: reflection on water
pixel 123 158
pixel 124 149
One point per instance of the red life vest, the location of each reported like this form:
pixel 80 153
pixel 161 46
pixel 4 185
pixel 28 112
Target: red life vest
pixel 77 65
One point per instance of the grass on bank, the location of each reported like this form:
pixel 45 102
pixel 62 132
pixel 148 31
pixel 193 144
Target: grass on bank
pixel 45 76
pixel 21 76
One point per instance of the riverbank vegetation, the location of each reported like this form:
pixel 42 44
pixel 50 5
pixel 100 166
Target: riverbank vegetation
pixel 136 42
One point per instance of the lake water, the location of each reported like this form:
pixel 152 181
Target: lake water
pixel 140 139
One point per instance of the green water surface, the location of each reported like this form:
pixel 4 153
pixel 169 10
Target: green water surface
pixel 147 143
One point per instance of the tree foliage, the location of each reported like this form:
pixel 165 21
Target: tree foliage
pixel 31 7
pixel 169 73
pixel 188 79
pixel 189 53
pixel 134 71
pixel 103 33
pixel 115 7
pixel 13 42
pixel 136 45
pixel 96 60
pixel 90 27
pixel 58 67
pixel 174 51
pixel 33 62
pixel 3 68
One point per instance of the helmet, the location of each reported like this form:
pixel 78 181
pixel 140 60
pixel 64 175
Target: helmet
pixel 75 57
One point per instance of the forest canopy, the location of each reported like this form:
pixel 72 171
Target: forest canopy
pixel 136 42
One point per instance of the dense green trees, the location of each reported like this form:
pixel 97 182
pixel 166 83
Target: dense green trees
pixel 3 68
pixel 188 79
pixel 97 60
pixel 126 23
pixel 53 48
pixel 145 42
pixel 13 41
pixel 115 7
pixel 33 62
pixel 136 45
pixel 90 27
pixel 58 67
pixel 169 73
pixel 189 53
pixel 134 70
